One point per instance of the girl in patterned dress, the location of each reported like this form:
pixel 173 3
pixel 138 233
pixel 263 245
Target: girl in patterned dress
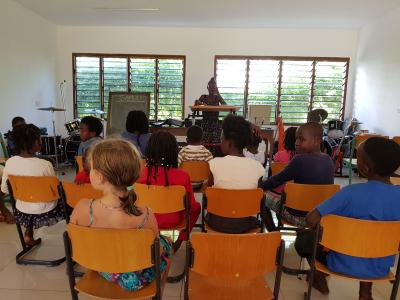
pixel 114 167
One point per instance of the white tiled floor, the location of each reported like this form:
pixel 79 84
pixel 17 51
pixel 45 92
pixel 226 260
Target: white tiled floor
pixel 42 283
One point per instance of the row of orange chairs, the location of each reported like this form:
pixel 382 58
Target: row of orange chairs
pixel 71 193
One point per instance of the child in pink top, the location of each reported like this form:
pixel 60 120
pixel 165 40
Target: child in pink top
pixel 287 154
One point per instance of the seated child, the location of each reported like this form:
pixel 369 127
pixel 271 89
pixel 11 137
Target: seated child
pixel 83 176
pixel 194 150
pixel 17 121
pixel 31 215
pixel 137 130
pixel 5 214
pixel 162 169
pixel 378 199
pixel 285 155
pixel 251 150
pixel 89 130
pixel 234 171
pixel 114 166
pixel 309 166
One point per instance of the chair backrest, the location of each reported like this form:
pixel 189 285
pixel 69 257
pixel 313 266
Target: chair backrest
pixel 362 138
pixel 234 203
pixel 305 197
pixel 76 192
pixel 234 256
pixel 360 238
pixel 161 199
pixel 79 162
pixel 111 250
pixel 395 180
pixel 34 188
pixel 277 167
pixel 396 139
pixel 198 170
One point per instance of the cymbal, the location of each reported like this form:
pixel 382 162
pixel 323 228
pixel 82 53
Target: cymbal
pixel 94 111
pixel 51 108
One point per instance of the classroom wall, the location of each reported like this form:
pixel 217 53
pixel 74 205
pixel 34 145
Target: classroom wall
pixel 377 102
pixel 200 45
pixel 27 65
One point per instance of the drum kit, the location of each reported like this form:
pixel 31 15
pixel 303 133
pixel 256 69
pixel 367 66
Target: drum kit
pixel 54 147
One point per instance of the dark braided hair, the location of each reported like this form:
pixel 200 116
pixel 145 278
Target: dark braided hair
pixel 162 151
pixel 238 130
pixel 290 139
pixel 384 154
pixel 25 136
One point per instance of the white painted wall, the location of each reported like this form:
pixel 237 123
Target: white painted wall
pixel 27 65
pixel 200 45
pixel 377 98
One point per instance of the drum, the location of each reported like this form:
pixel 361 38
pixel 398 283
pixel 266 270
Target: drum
pixel 48 145
pixel 73 126
pixel 335 129
pixel 71 146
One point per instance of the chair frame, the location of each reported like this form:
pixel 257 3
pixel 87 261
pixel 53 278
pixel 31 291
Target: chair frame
pixel 190 254
pixel 318 237
pixel 28 248
pixel 155 253
pixel 204 208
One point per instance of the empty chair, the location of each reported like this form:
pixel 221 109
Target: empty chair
pixel 198 171
pixel 233 266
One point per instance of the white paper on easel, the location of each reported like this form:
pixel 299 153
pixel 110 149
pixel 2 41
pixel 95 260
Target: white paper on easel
pixel 260 114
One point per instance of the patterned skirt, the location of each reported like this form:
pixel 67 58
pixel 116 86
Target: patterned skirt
pixel 49 218
pixel 211 128
pixel 134 281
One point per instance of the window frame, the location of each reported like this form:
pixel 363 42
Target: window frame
pixel 315 59
pixel 101 56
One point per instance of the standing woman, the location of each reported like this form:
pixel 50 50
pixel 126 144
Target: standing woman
pixel 211 125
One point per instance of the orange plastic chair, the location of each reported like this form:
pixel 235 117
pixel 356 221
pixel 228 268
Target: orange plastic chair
pixel 165 200
pixel 359 238
pixel 277 167
pixel 198 171
pixel 396 139
pixel 233 266
pixel 71 193
pixel 112 251
pixel 232 204
pixel 79 162
pixel 304 198
pixel 395 180
pixel 33 189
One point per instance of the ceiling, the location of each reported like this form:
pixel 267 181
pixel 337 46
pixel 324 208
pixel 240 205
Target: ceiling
pixel 213 13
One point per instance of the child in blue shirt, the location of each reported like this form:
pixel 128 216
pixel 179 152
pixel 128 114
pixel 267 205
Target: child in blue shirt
pixel 90 130
pixel 377 159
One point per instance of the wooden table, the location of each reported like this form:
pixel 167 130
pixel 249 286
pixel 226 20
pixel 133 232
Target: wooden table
pixel 229 108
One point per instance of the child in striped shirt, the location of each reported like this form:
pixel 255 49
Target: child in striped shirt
pixel 194 150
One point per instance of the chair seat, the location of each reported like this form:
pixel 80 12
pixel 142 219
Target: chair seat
pixel 93 284
pixel 203 287
pixel 209 229
pixel 321 267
